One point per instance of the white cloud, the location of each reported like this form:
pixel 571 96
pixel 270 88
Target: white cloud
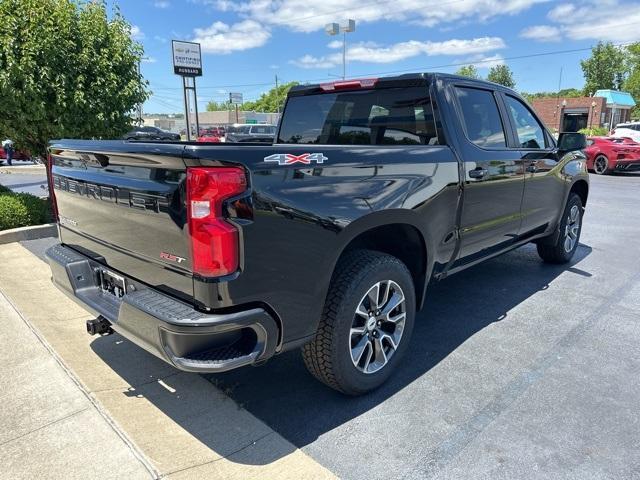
pixel 312 15
pixel 149 60
pixel 486 61
pixel 335 44
pixel 222 38
pixel 309 61
pixel 592 20
pixel 542 33
pixel 370 52
pixel 160 39
pixel 136 33
pixel 161 4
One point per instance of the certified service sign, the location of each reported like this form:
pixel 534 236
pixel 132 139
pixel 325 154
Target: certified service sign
pixel 187 59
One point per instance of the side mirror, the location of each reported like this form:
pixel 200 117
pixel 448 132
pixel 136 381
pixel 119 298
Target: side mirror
pixel 570 141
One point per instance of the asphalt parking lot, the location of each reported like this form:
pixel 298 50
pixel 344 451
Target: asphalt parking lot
pixel 517 369
pixel 24 177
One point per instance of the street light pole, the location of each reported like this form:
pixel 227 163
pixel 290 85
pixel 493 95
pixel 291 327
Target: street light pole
pixel 334 29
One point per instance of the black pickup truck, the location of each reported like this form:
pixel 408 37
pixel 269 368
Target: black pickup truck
pixel 217 256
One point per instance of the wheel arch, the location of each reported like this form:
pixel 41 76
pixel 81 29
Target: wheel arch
pixel 581 188
pixel 399 237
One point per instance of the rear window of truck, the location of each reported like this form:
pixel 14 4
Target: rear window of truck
pixel 389 116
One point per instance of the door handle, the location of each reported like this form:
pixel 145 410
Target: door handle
pixel 532 168
pixel 478 172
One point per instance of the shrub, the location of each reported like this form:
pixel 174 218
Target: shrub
pixel 595 131
pixel 22 209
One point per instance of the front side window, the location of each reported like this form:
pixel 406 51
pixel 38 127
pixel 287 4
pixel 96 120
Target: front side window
pixel 389 116
pixel 481 117
pixel 530 132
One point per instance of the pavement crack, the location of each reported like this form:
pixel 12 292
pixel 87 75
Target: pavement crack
pixel 48 424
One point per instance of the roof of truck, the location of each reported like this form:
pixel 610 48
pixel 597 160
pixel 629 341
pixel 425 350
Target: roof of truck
pixel 405 80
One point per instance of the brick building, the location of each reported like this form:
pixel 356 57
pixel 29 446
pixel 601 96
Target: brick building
pixel 606 109
pixel 570 114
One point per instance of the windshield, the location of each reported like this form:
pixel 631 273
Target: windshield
pixel 390 116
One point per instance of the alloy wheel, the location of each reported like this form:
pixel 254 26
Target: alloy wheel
pixel 572 229
pixel 377 326
pixel 600 165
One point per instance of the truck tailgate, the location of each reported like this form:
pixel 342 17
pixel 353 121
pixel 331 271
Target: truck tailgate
pixel 123 204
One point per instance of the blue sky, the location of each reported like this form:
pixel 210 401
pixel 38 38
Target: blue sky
pixel 247 43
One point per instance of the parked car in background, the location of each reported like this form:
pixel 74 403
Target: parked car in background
pixel 209 138
pixel 150 133
pixel 631 130
pixel 212 135
pixel 17 155
pixel 607 154
pixel 251 133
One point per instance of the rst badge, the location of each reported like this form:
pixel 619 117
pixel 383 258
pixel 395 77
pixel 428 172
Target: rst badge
pixel 171 257
pixel 290 159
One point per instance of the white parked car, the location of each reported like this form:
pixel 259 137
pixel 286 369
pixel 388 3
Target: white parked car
pixel 631 130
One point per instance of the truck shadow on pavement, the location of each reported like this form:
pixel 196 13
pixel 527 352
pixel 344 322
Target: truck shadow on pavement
pixel 288 399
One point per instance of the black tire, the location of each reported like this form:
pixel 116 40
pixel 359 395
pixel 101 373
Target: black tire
pixel 601 165
pixel 556 251
pixel 328 356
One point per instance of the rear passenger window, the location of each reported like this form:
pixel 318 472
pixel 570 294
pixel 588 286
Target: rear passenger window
pixel 481 117
pixel 389 116
pixel 530 132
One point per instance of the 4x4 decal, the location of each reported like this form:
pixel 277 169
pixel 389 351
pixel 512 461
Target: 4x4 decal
pixel 290 159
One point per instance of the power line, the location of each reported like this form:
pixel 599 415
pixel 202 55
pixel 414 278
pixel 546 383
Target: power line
pixel 458 64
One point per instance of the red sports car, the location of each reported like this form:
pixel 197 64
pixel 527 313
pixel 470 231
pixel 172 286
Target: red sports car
pixel 607 155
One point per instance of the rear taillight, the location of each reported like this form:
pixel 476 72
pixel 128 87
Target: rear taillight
pixel 214 241
pixel 52 193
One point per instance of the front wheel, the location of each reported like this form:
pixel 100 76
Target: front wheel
pixel 366 324
pixel 566 243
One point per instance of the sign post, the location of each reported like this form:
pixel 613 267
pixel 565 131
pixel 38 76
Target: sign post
pixel 187 62
pixel 236 99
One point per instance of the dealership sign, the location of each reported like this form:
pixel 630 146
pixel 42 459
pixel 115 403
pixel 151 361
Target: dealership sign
pixel 187 59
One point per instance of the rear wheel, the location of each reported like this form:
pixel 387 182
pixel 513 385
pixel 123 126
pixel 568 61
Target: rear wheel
pixel 601 165
pixel 366 323
pixel 566 244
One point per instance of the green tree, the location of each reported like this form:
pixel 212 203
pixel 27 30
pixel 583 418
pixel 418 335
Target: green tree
pixel 67 69
pixel 214 106
pixel 564 93
pixel 270 101
pixel 604 69
pixel 632 83
pixel 501 74
pixel 468 71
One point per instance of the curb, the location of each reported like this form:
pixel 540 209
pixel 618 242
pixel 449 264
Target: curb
pixel 28 233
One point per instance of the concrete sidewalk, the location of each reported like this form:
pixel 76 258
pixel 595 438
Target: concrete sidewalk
pixel 50 427
pixel 182 424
